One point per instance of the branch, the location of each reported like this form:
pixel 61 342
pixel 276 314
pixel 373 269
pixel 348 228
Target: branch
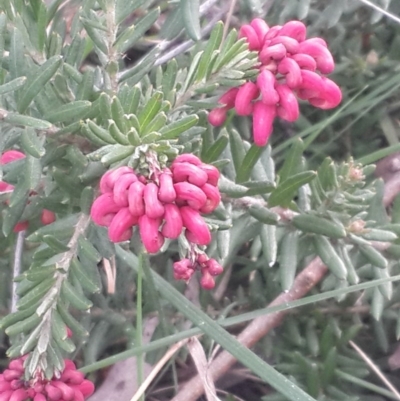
pixel 49 303
pixel 257 329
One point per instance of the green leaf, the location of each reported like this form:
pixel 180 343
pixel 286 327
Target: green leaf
pixel 134 33
pixel 292 160
pixel 249 161
pixel 23 326
pixel 117 113
pixel 77 300
pixel 54 243
pixel 80 274
pixel 214 151
pixel 318 225
pixel 94 34
pixel 328 255
pixel 100 132
pixel 138 71
pixel 288 259
pixel 72 323
pixel 31 144
pixel 173 130
pixel 213 43
pixel 150 110
pixel 263 214
pixel 285 192
pixel 27 121
pixel 191 17
pixel 36 294
pixel 269 244
pixel 37 81
pixel 238 150
pixel 12 85
pixel 191 75
pixel 72 111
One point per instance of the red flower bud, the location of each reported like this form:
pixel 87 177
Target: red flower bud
pixel 173 222
pixel 103 209
pixel 320 53
pixel 153 206
pixel 189 172
pixel 212 173
pixel 263 118
pixel 217 117
pixel 86 388
pixel 276 52
pixel 19 395
pixel 66 391
pixel 295 29
pixel 330 97
pixel 10 374
pixel 121 188
pixel 247 93
pixel 39 397
pixel 72 376
pixel 152 239
pixel 21 226
pixel 10 156
pixel 121 225
pixel 166 192
pixel 135 198
pixel 266 81
pixel 53 393
pixel 214 268
pixel 228 98
pixel 213 198
pixel 261 28
pixel 273 32
pixel 207 281
pixel 291 45
pixel 6 395
pixel 183 270
pixel 248 32
pixel 17 364
pixel 109 179
pixel 188 158
pixel 288 108
pixel 305 61
pixel 311 85
pixel 291 69
pixel 197 227
pixel 47 217
pixel 190 193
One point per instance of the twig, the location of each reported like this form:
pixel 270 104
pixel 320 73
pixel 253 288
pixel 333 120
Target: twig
pixel 168 355
pixel 257 329
pixel 19 247
pixel 381 10
pixel 228 19
pixel 375 369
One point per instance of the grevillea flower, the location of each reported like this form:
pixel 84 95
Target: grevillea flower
pixel 168 205
pixel 70 386
pixel 290 65
pixel 47 217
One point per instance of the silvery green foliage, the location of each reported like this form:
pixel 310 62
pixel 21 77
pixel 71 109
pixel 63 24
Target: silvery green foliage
pixel 71 102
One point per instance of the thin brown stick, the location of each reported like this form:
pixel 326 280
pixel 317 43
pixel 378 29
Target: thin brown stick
pixel 257 329
pixel 375 369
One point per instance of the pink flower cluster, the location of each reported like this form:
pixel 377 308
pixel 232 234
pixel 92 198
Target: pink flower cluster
pixel 209 268
pixel 174 199
pixel 289 65
pixel 47 216
pixel 70 386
